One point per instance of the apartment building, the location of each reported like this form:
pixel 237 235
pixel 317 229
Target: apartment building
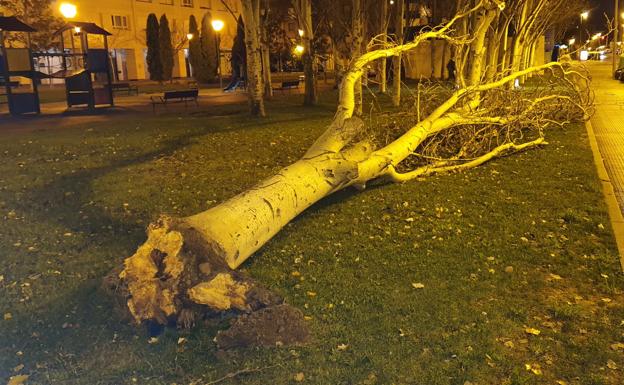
pixel 126 20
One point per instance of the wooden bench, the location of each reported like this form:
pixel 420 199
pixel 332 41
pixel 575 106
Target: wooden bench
pixel 288 85
pixel 175 97
pixel 125 87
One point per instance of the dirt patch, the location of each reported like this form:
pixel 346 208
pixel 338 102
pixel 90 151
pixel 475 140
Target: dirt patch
pixel 281 325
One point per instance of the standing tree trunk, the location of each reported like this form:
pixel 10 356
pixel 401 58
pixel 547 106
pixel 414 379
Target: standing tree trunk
pixel 383 32
pixel 266 72
pixel 303 9
pixel 357 30
pixel 251 19
pixel 396 63
pixel 266 55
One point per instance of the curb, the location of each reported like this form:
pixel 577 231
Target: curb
pixel 615 214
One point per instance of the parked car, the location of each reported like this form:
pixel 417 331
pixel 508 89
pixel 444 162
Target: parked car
pixel 619 73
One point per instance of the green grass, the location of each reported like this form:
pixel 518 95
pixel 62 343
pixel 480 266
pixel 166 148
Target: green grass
pixel 74 203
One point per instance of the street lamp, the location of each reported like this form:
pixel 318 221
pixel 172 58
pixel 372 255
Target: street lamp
pixel 300 32
pixel 584 16
pixel 218 25
pixel 189 36
pixel 299 49
pixel 68 10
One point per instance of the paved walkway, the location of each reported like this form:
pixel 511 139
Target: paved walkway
pixel 55 114
pixel 606 137
pixel 608 124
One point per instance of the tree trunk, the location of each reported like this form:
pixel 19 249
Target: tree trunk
pixel 492 54
pixel 396 62
pixel 186 263
pixel 266 70
pixel 432 61
pixel 251 19
pixel 443 60
pixel 309 64
pixel 478 46
pixel 356 50
pixel 383 32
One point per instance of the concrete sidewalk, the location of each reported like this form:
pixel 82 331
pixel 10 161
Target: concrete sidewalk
pixel 608 123
pixel 606 135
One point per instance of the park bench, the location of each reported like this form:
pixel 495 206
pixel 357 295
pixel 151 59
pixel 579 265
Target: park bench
pixel 192 85
pixel 175 97
pixel 12 83
pixel 125 87
pixel 288 85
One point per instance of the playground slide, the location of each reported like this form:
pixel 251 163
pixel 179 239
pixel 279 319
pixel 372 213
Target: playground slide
pixel 234 84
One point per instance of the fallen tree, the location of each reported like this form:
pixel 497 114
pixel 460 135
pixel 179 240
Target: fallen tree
pixel 186 268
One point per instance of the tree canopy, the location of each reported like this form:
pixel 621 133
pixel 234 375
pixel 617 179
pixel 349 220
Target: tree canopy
pixel 153 58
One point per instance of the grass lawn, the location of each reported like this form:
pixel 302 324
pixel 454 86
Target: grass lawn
pixel 518 246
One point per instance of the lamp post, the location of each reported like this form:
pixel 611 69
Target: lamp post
pixel 218 25
pixel 69 11
pixel 584 16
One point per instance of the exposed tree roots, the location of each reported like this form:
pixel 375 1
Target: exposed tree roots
pixel 172 279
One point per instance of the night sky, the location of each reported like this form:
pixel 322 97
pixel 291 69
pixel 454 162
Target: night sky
pixel 597 11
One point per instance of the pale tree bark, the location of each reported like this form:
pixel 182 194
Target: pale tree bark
pixel 383 33
pixel 186 263
pixel 251 19
pixel 303 10
pixel 357 32
pixel 266 56
pixel 399 22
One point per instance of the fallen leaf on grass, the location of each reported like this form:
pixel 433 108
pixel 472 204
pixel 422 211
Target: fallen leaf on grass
pixel 8 316
pixel 533 331
pixel 534 368
pixel 611 365
pixel 606 300
pixel 617 346
pixel 18 380
pixel 342 347
pixel 509 344
pixel 561 382
pixel 554 277
pixel 299 377
pixel 311 294
pixel 418 285
pixel 18 368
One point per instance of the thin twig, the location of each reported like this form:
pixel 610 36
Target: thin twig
pixel 238 373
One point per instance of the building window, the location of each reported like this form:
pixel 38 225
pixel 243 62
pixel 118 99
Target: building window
pixel 145 1
pixel 187 3
pixel 205 4
pixel 166 2
pixel 119 22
